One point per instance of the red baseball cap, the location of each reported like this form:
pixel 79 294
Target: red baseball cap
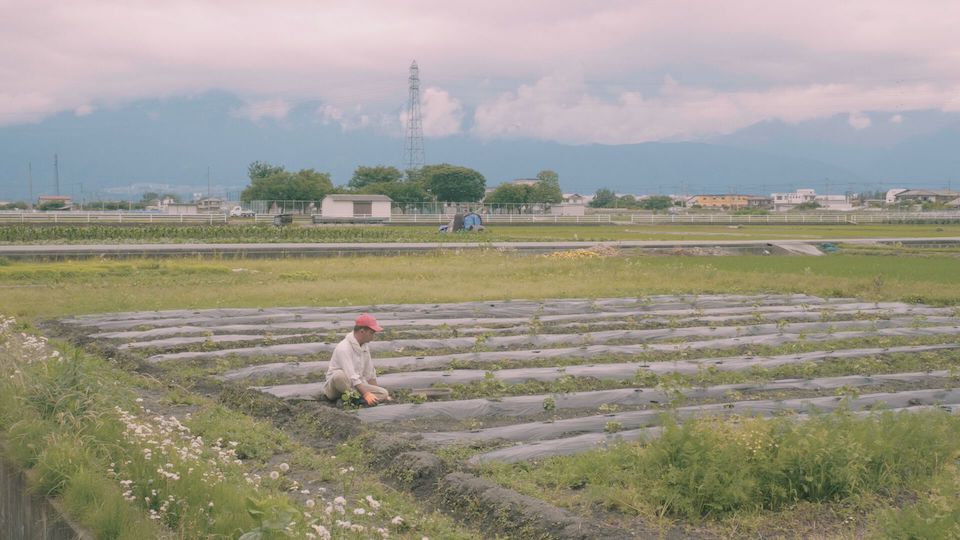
pixel 369 321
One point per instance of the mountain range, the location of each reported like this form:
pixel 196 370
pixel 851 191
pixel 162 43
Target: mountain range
pixel 171 144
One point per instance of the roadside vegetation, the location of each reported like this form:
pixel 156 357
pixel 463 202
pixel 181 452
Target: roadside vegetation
pixel 97 438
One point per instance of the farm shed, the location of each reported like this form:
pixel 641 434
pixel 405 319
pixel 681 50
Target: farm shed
pixel 355 208
pixel 566 209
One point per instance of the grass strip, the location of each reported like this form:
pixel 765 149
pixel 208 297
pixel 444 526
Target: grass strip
pixel 249 233
pixel 53 290
pixel 126 471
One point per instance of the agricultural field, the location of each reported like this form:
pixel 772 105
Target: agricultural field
pixel 110 234
pixel 571 395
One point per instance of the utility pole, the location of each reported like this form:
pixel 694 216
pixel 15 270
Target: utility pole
pixel 413 155
pixel 30 182
pixel 56 174
pixel 208 181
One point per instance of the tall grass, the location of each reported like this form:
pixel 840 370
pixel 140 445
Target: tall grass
pixel 124 471
pixel 704 468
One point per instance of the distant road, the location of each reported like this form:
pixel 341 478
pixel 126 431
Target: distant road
pixel 391 248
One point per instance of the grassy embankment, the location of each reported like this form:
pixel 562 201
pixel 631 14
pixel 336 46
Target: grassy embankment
pixel 127 467
pixel 855 461
pixel 87 234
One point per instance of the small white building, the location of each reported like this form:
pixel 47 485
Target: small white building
pixel 176 208
pixel 834 202
pixel 565 209
pixel 788 201
pixel 355 208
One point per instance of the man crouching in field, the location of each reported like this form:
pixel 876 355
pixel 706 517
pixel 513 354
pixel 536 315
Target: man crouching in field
pixel 351 366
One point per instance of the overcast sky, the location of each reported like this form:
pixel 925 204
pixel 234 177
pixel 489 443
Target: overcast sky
pixel 577 72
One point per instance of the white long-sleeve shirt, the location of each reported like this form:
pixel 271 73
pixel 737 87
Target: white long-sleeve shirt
pixel 353 359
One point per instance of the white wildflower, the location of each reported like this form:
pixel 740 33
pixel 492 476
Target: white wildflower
pixel 321 531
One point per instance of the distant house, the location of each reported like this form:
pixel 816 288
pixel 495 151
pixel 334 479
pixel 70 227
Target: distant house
pixel 789 201
pixel 58 202
pixel 730 201
pixel 755 201
pixel 919 196
pixel 891 197
pixel 576 198
pixel 210 205
pixel 834 202
pixel 355 208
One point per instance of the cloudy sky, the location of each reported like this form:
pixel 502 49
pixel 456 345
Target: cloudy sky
pixel 569 71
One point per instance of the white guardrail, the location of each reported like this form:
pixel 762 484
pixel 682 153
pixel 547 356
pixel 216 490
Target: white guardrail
pixel 108 217
pixel 792 218
pixel 440 219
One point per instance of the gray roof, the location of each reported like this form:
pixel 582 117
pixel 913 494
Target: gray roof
pixel 928 193
pixel 359 198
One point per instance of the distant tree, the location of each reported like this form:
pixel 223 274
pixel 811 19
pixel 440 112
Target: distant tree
pixel 656 202
pixel 452 183
pixel 627 201
pixel 262 169
pixel 547 188
pixel 381 174
pixel 933 205
pixel 604 198
pixel 415 176
pixel 150 197
pixel 510 194
pixel 399 192
pixel 304 185
pixel 810 205
pixel 19 205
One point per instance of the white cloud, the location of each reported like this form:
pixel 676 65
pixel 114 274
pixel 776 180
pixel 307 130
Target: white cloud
pixel 442 114
pixel 858 120
pixel 896 119
pixel 83 110
pixel 766 60
pixel 330 114
pixel 565 109
pixel 347 120
pixel 270 109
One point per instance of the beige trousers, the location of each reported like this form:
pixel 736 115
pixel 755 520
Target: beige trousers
pixel 338 383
